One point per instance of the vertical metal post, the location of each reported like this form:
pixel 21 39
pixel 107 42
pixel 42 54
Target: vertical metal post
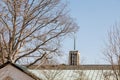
pixel 74 41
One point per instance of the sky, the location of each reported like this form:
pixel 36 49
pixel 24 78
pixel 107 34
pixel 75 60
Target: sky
pixel 95 17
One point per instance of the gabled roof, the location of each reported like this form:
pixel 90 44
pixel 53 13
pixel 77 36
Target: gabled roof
pixel 21 68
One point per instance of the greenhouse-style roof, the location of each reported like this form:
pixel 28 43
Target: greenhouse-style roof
pixel 80 72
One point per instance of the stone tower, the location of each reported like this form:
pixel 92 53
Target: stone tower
pixel 74 57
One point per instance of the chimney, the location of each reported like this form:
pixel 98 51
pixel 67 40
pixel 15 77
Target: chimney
pixel 74 57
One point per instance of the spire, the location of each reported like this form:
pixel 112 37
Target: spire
pixel 74 41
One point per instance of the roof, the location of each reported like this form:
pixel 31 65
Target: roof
pixel 77 67
pixel 21 68
pixel 79 72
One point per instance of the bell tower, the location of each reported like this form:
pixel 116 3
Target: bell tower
pixel 74 57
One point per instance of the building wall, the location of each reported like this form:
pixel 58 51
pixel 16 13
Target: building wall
pixel 13 73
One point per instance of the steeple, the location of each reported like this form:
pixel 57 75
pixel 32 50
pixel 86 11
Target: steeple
pixel 74 54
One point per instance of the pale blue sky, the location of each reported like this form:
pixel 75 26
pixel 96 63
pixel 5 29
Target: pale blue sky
pixel 95 17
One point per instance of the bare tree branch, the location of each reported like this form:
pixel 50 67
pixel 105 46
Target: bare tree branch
pixel 32 27
pixel 112 50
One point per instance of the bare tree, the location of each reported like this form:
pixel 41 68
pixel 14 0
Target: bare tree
pixel 80 75
pixel 32 28
pixel 53 74
pixel 108 75
pixel 112 50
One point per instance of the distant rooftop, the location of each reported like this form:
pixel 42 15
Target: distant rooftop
pixel 76 67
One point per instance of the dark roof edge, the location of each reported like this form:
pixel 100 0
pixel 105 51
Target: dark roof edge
pixel 78 67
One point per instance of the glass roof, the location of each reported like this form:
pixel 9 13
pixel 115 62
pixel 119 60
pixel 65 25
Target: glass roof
pixel 77 74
